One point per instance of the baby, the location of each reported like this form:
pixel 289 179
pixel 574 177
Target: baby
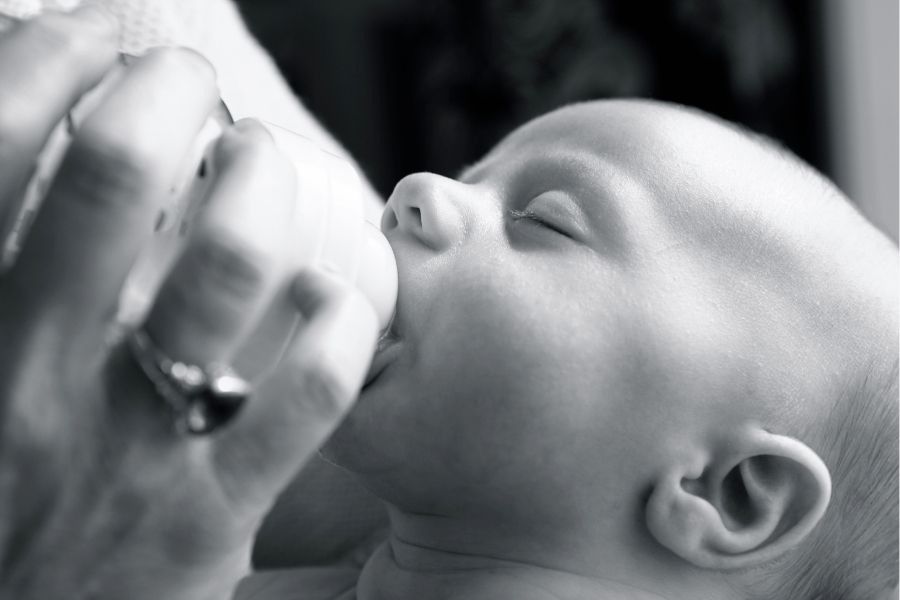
pixel 639 353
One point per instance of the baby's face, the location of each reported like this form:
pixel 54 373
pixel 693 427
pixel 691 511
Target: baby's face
pixel 567 309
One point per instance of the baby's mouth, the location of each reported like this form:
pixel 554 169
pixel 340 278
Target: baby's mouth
pixel 386 352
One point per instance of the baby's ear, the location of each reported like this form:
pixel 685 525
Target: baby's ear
pixel 749 502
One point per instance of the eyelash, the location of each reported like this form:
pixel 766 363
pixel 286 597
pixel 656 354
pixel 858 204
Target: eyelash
pixel 530 215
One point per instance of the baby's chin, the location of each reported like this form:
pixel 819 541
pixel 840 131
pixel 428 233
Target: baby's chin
pixel 355 440
pixel 382 440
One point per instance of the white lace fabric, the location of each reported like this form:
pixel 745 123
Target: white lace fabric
pixel 145 23
pixel 249 81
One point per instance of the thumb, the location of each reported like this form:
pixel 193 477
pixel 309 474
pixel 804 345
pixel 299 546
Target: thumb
pixel 300 404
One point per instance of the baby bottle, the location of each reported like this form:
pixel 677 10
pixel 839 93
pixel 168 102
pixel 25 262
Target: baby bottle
pixel 328 218
pixel 329 231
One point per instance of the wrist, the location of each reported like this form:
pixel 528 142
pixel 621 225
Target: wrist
pixel 106 581
pixel 99 558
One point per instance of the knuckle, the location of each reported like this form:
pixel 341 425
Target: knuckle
pixel 322 392
pixel 52 53
pixel 56 33
pixel 216 282
pixel 108 167
pixel 59 35
pixel 228 264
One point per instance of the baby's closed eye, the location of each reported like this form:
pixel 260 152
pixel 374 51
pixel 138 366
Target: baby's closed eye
pixel 552 210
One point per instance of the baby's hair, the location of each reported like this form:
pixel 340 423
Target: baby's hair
pixel 853 554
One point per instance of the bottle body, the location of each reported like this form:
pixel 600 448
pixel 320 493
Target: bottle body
pixel 330 229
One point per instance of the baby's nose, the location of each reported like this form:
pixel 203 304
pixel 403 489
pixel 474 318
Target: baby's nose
pixel 427 207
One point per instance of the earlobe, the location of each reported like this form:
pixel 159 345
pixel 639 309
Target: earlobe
pixel 756 498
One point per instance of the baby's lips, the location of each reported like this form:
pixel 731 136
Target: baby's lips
pixel 377 274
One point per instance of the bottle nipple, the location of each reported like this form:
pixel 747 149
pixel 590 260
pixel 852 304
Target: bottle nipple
pixel 330 223
pixel 376 277
pixel 329 229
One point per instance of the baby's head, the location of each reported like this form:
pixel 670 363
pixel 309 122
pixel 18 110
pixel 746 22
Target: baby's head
pixel 636 342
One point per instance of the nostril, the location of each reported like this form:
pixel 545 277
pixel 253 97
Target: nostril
pixel 416 215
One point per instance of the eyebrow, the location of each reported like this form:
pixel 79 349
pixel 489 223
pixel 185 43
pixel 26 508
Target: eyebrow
pixel 558 159
pixel 600 198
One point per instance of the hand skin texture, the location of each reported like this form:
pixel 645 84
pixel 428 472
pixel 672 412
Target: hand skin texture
pixel 100 497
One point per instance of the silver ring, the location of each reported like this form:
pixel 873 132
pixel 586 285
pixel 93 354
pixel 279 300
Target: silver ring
pixel 202 399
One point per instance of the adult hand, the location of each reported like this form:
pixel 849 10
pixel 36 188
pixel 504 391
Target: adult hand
pixel 99 496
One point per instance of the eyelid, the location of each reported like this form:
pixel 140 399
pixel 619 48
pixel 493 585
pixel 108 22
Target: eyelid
pixel 530 215
pixel 554 210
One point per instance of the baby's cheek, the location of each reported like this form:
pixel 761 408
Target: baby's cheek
pixel 485 319
pixel 506 349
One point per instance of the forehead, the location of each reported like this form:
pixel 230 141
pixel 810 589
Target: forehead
pixel 771 237
pixel 664 144
pixel 674 152
pixel 682 167
pixel 651 162
pixel 680 179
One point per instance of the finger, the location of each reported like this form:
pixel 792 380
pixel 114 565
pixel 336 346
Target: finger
pixel 46 64
pixel 103 203
pixel 229 270
pixel 299 405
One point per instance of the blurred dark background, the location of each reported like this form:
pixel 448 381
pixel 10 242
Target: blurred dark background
pixel 411 85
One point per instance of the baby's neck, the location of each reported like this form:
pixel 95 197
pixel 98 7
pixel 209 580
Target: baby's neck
pixel 415 563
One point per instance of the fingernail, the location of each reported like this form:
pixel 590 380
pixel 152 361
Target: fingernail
pixel 197 60
pixel 253 128
pixel 98 16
